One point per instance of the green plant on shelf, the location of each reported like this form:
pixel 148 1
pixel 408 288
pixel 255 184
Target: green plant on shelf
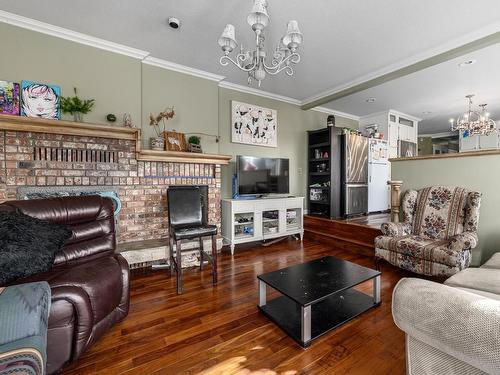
pixel 194 140
pixel 76 106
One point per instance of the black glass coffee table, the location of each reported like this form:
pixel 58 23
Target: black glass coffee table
pixel 317 296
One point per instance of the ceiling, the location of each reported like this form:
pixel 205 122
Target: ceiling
pixel 344 40
pixel 440 89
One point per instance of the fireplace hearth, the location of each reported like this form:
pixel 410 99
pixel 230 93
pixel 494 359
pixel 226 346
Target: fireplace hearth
pixel 37 164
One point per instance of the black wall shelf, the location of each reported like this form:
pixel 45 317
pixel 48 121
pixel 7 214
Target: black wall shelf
pixel 318 145
pixel 319 159
pixel 326 201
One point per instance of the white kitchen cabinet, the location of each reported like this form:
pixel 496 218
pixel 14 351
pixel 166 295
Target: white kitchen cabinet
pixel 404 133
pixel 469 143
pixel 395 126
pixel 488 142
pixel 479 142
pixel 407 133
pixel 393 152
pixel 393 135
pixel 407 129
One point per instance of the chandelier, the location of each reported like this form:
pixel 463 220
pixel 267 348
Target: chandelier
pixel 254 63
pixel 474 122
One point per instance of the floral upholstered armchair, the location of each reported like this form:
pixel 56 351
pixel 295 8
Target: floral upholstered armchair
pixel 437 234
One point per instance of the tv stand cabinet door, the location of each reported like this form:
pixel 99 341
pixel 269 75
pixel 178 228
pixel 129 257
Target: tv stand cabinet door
pixel 258 225
pixel 282 218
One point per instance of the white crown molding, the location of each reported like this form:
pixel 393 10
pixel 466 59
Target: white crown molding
pixel 144 56
pixel 281 98
pixel 45 28
pixel 408 116
pixel 181 68
pixel 455 43
pixel 438 135
pixel 335 113
pixel 262 93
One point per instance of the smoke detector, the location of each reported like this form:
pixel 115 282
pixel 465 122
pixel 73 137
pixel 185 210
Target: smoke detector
pixel 174 23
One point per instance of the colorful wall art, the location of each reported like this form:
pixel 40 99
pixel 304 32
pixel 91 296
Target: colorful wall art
pixel 40 100
pixel 9 98
pixel 253 125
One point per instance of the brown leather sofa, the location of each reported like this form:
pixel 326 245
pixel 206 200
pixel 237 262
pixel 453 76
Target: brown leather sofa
pixel 89 282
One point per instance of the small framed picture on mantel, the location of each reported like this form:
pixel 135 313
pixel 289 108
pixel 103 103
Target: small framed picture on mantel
pixel 253 125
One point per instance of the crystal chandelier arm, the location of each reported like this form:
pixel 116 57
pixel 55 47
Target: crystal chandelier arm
pixel 278 65
pixel 240 58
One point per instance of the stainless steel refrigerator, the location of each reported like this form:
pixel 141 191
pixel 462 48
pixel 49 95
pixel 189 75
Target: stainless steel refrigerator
pixel 354 174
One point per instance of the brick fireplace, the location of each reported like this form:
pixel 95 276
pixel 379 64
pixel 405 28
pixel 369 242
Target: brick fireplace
pixel 38 159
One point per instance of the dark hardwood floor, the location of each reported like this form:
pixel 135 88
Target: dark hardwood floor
pixel 219 330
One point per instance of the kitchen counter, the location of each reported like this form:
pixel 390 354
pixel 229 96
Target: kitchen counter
pixel 446 156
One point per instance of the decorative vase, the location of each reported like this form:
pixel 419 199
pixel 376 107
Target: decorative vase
pixel 157 143
pixel 127 120
pixel 78 116
pixel 192 147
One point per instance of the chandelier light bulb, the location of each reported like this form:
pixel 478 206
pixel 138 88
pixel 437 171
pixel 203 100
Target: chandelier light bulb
pixel 293 37
pixel 227 40
pixel 258 19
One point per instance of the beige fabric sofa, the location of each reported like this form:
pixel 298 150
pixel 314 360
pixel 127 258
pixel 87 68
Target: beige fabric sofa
pixel 452 328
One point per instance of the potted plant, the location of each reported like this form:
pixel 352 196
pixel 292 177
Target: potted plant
pixel 76 106
pixel 159 123
pixel 194 143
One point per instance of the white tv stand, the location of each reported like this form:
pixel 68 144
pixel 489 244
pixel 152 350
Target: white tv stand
pixel 261 219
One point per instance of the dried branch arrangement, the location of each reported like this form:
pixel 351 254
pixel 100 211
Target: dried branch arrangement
pixel 159 122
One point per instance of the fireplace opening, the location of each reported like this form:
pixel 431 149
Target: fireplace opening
pixel 39 192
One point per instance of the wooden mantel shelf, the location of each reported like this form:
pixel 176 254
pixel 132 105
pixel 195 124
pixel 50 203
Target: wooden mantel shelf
pixel 183 157
pixel 39 125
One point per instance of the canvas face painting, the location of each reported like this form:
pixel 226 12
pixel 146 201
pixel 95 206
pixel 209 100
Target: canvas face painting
pixel 254 125
pixel 9 98
pixel 40 100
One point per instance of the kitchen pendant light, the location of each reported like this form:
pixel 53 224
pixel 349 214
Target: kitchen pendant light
pixel 473 122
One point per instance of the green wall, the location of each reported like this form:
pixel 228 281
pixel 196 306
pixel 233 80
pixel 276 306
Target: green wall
pixel 121 84
pixel 473 172
pixel 292 137
pixel 113 80
pixel 195 102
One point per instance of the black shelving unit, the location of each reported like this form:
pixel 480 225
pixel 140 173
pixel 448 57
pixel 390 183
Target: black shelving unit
pixel 324 169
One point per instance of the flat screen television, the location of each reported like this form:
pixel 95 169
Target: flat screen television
pixel 261 176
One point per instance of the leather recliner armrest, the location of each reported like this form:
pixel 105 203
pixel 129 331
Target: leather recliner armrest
pixel 84 321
